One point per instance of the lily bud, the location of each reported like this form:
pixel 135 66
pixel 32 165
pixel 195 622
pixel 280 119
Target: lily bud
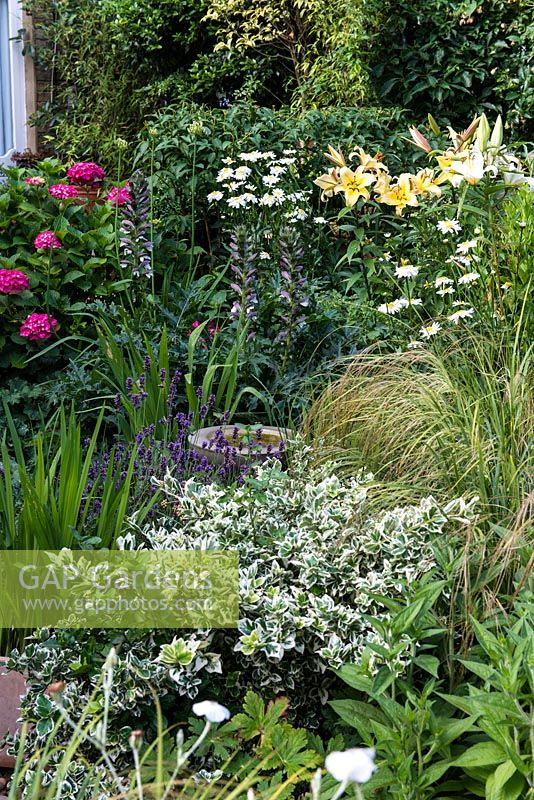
pixel 420 140
pixel 497 134
pixel 433 125
pixel 336 156
pixel 483 133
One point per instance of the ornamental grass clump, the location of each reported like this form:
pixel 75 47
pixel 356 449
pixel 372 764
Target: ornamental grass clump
pixel 459 420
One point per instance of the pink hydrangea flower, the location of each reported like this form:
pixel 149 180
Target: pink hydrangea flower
pixel 47 240
pixel 38 326
pixel 62 191
pixel 86 173
pixel 119 195
pixel 13 282
pixel 34 180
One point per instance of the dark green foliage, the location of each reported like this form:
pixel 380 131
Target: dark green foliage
pixel 458 59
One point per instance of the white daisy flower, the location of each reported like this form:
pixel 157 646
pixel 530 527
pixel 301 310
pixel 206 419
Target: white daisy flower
pixel 390 308
pixel 270 180
pixel 469 277
pixel 406 271
pixel 224 174
pixel 448 226
pixel 236 202
pixel 214 196
pixel 415 301
pixel 242 173
pixel 464 247
pixel 255 155
pixel 462 313
pixel 415 345
pixel 267 200
pixel 430 330
pixel 320 220
pixel 276 169
pixel 446 290
pixel 287 161
pixel 264 256
pixel 442 281
pixel 248 197
pixel 228 160
pixel 288 151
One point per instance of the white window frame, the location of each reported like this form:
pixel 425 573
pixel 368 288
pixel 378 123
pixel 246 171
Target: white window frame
pixel 18 82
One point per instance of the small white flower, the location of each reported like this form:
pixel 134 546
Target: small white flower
pixel 351 766
pixel 387 235
pixel 415 345
pixel 212 711
pixel 286 160
pixel 236 202
pixel 469 277
pixel 248 197
pixel 228 160
pixel 267 200
pixel 442 281
pixel 320 220
pixel 234 186
pixel 446 290
pixel 448 226
pixel 214 196
pixel 415 301
pixel 224 174
pixel 299 213
pixel 242 173
pixel 390 308
pixel 465 261
pixel 265 256
pixel 406 271
pixel 278 195
pixel 288 151
pixel 255 155
pixel 277 169
pixel 462 313
pixel 269 154
pixel 430 330
pixel 464 247
pixel 270 180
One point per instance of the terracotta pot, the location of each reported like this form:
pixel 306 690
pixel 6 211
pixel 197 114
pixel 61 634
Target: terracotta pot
pixel 12 686
pixel 270 436
pixel 89 196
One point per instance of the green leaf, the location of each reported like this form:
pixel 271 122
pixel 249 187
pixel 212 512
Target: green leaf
pixel 428 663
pixel 352 711
pixel 481 755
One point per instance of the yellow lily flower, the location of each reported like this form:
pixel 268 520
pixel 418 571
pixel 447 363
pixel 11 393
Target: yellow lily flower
pixel 336 156
pixel 328 182
pixel 445 163
pixel 353 184
pixel 370 163
pixel 400 194
pixel 382 183
pixel 423 183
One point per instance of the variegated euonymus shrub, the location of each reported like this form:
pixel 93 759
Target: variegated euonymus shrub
pixel 312 561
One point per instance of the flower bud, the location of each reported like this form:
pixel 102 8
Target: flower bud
pixel 56 688
pixel 135 739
